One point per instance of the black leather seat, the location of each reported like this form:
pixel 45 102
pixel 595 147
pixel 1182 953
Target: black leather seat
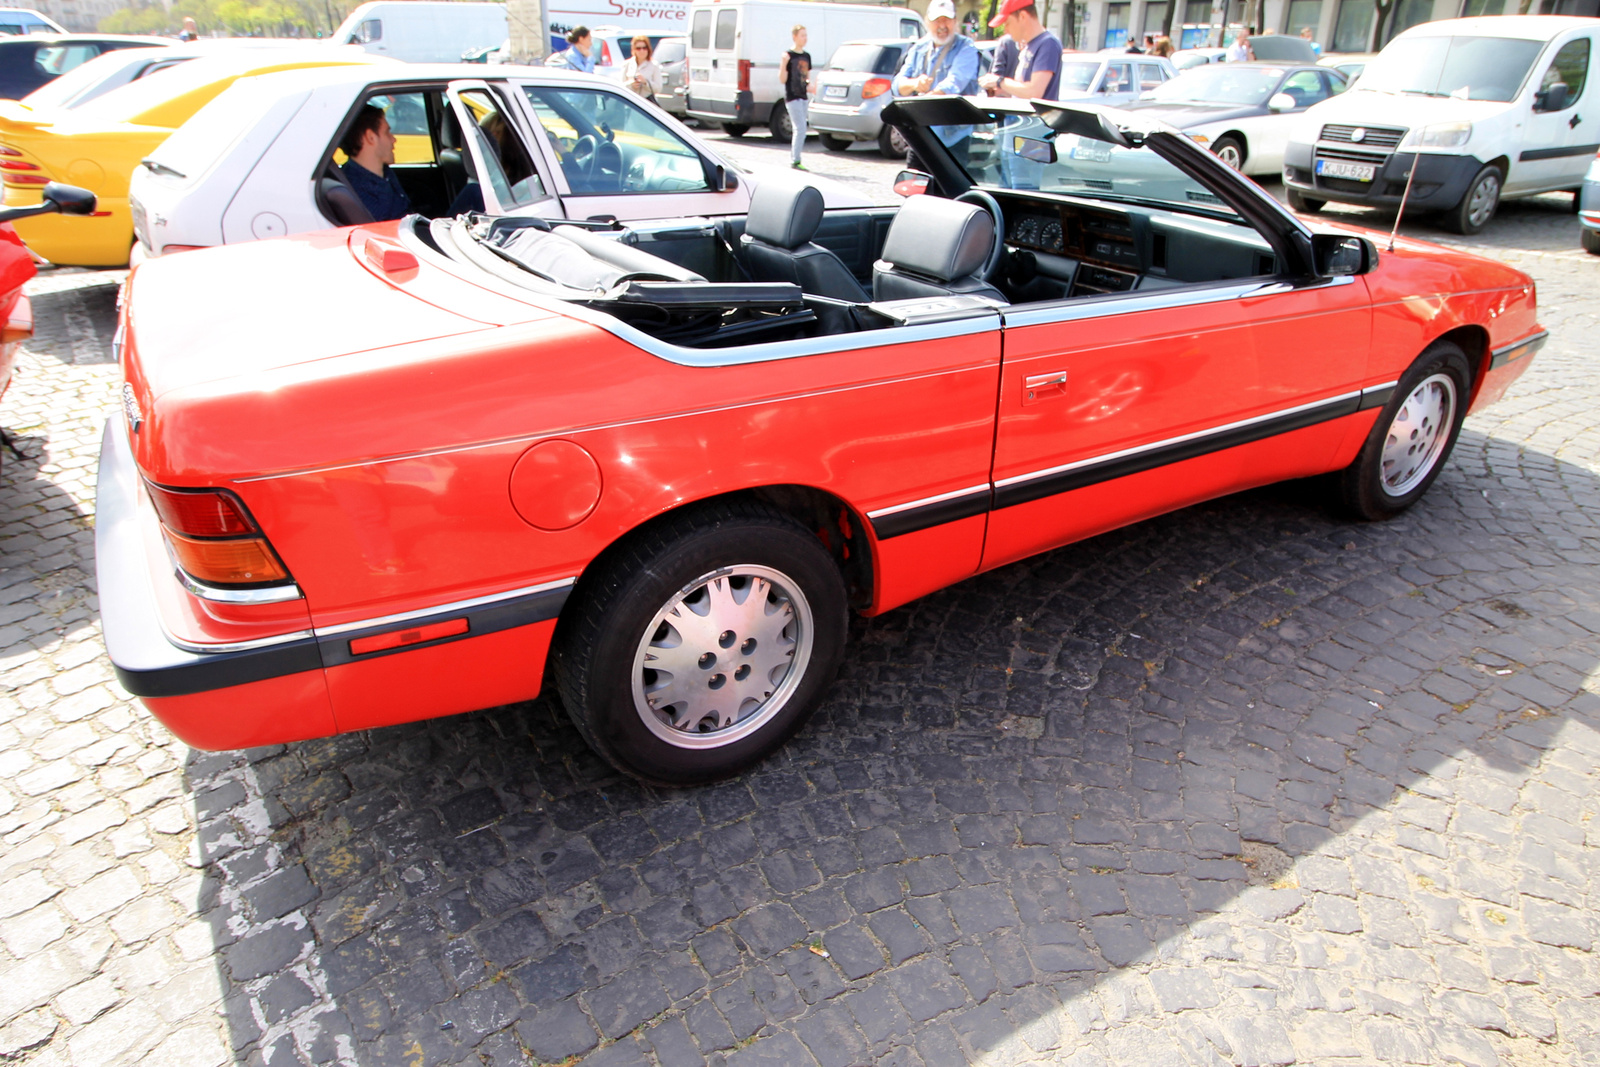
pixel 343 206
pixel 777 243
pixel 935 247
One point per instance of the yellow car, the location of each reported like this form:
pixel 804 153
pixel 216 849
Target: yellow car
pixel 98 145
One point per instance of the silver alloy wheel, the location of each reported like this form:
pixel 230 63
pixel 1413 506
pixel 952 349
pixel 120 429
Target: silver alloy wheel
pixel 723 657
pixel 1229 154
pixel 898 143
pixel 1418 434
pixel 1484 197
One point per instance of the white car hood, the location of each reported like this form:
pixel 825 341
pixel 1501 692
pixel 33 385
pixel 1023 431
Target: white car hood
pixel 1367 108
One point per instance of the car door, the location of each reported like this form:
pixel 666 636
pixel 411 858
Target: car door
pixel 504 167
pixel 1117 85
pixel 1559 135
pixel 611 156
pixel 1120 406
pixel 1269 133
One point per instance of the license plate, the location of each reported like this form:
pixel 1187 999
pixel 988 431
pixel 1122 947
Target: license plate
pixel 836 92
pixel 1355 172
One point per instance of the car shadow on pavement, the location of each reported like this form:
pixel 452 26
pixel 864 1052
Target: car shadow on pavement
pixel 1244 783
pixel 72 322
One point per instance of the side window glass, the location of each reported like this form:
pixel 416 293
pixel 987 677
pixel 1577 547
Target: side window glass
pixel 54 60
pixel 1118 78
pixel 1150 76
pixel 370 30
pixel 700 30
pixel 1305 86
pixel 511 174
pixel 408 120
pixel 1336 84
pixel 1571 66
pixel 727 25
pixel 910 29
pixel 608 144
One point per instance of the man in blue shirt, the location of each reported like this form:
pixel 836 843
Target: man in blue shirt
pixel 369 144
pixel 1038 74
pixel 943 63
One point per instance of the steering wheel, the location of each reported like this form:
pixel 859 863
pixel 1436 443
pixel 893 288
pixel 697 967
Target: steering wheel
pixel 607 172
pixel 991 266
pixel 584 154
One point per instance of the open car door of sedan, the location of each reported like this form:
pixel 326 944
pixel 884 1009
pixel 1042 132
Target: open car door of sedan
pixel 504 171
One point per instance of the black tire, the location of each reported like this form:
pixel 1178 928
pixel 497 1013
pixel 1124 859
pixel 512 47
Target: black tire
pixel 1591 240
pixel 1478 203
pixel 779 125
pixel 625 607
pixel 891 145
pixel 1231 151
pixel 1303 203
pixel 1412 437
pixel 735 129
pixel 834 144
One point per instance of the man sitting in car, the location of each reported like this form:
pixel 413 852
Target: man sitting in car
pixel 369 144
pixel 943 63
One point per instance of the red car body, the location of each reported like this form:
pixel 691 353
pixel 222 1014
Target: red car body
pixel 437 462
pixel 16 268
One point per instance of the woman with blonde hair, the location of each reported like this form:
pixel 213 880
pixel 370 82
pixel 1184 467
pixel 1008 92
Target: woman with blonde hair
pixel 1163 47
pixel 641 72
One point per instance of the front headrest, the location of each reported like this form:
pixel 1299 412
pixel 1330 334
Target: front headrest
pixel 943 239
pixel 784 213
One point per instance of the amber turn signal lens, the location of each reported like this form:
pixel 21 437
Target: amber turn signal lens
pixel 209 513
pixel 875 87
pixel 240 562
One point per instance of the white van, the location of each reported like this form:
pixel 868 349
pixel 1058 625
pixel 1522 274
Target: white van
pixel 421 32
pixel 20 21
pixel 735 45
pixel 1490 107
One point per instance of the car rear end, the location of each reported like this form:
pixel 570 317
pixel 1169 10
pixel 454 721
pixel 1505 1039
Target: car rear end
pixel 672 56
pixel 854 87
pixel 1589 208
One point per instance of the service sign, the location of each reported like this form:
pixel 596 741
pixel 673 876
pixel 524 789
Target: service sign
pixel 649 16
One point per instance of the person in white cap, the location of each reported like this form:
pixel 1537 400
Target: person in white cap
pixel 943 63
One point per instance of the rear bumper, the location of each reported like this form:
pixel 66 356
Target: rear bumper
pixel 740 110
pixel 1440 183
pixel 861 123
pixel 312 683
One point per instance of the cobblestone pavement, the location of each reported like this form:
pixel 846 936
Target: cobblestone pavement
pixel 1242 785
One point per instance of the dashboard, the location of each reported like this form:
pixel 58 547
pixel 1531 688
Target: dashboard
pixel 1104 242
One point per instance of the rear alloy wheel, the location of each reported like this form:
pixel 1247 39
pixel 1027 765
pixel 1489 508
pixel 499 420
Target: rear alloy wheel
pixel 779 125
pixel 1305 204
pixel 1231 151
pixel 704 646
pixel 735 129
pixel 1591 240
pixel 834 144
pixel 891 145
pixel 1413 436
pixel 1478 206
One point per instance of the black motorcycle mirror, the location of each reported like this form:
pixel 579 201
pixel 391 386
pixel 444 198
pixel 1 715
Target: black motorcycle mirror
pixel 67 199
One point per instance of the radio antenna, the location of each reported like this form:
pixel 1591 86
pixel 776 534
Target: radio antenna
pixel 1412 173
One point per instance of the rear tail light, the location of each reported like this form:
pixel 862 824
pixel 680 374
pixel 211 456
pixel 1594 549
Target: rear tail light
pixel 7 150
pixel 17 164
pixel 605 55
pixel 26 179
pixel 744 75
pixel 214 538
pixel 874 87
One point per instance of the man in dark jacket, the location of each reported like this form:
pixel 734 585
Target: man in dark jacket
pixel 370 146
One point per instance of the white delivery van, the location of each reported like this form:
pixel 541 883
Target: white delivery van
pixel 1490 107
pixel 20 21
pixel 735 45
pixel 419 31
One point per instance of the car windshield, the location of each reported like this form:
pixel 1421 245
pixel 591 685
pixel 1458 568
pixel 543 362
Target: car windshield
pixel 66 89
pixel 1467 68
pixel 1220 83
pixel 1078 76
pixel 1021 152
pixel 865 59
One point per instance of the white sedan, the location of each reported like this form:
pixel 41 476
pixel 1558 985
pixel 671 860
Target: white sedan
pixel 262 159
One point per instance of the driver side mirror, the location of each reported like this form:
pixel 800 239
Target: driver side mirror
pixel 69 199
pixel 911 183
pixel 1552 99
pixel 1334 255
pixel 1281 102
pixel 720 178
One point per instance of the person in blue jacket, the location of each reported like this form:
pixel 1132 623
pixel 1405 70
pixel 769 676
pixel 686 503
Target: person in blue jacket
pixel 942 63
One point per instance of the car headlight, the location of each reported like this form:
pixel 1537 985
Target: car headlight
pixel 1440 135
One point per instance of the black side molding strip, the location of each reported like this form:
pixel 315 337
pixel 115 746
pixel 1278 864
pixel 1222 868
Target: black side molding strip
pixel 1375 398
pixel 1037 488
pixel 482 619
pixel 1518 349
pixel 1557 153
pixel 219 670
pixel 937 514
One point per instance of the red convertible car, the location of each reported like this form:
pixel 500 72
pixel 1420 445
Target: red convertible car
pixel 395 471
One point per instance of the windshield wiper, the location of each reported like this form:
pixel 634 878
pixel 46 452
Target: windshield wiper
pixel 162 168
pixel 1422 92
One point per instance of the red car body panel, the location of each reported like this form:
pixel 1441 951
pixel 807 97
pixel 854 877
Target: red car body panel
pixel 435 444
pixel 16 268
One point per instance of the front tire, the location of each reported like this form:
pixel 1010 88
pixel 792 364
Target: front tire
pixel 1305 204
pixel 891 145
pixel 699 649
pixel 779 125
pixel 735 129
pixel 1231 151
pixel 1478 206
pixel 1412 437
pixel 1591 241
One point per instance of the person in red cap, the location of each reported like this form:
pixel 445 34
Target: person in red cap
pixel 1038 73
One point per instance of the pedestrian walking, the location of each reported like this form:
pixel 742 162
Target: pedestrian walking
pixel 794 71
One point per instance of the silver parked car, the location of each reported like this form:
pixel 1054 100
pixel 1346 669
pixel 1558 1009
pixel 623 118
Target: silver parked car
pixel 1112 79
pixel 672 56
pixel 1589 208
pixel 852 91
